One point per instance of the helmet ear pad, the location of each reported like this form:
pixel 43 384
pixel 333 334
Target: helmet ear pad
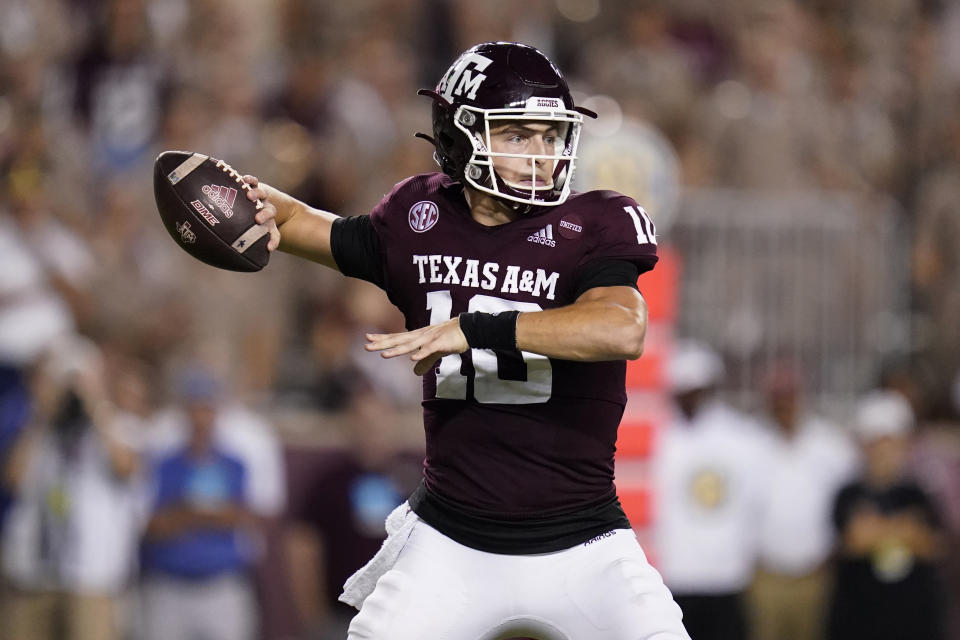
pixel 453 154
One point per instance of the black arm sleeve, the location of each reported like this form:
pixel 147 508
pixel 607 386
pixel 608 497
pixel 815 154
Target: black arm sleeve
pixel 607 273
pixel 355 246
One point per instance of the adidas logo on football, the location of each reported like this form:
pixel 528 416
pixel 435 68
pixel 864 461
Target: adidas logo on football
pixel 544 236
pixel 223 197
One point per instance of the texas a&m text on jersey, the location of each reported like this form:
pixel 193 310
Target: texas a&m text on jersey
pixel 558 453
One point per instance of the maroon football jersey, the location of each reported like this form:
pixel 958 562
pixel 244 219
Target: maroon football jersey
pixel 508 433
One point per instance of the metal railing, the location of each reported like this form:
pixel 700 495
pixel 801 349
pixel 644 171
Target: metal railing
pixel 819 278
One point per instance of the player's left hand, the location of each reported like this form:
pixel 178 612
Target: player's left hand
pixel 425 345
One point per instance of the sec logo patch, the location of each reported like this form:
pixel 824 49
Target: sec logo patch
pixel 423 216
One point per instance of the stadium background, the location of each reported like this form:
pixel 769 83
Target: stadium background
pixel 801 159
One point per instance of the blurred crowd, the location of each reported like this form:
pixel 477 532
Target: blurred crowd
pixel 178 439
pixel 782 524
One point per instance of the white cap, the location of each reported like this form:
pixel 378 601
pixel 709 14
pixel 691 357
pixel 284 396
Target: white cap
pixel 693 365
pixel 881 414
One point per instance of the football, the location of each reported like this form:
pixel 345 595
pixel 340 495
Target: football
pixel 203 207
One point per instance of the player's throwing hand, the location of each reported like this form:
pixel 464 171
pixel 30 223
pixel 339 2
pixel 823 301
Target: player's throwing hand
pixel 267 213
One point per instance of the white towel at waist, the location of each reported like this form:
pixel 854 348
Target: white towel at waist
pixel 399 524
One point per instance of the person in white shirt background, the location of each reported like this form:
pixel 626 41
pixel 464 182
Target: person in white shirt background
pixel 709 474
pixel 43 287
pixel 46 268
pixel 70 541
pixel 811 459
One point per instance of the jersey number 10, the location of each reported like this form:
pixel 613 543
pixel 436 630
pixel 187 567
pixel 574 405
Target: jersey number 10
pixel 646 232
pixel 492 384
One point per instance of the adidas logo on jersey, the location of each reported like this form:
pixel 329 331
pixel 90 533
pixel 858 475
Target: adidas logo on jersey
pixel 544 236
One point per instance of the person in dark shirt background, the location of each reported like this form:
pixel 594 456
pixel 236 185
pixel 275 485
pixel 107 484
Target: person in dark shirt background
pixel 886 582
pixel 339 498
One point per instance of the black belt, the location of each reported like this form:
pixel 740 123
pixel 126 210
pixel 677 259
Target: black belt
pixel 521 535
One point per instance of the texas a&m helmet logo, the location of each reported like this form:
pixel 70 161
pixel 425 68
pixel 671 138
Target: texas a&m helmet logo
pixel 464 77
pixel 423 216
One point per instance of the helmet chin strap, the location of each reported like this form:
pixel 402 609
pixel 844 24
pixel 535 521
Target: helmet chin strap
pixel 426 137
pixel 493 189
pixel 515 207
pixel 522 208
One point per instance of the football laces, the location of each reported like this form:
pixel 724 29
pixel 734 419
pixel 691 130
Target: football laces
pixel 230 171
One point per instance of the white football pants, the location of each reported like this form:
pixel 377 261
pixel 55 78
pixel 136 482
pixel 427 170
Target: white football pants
pixel 441 590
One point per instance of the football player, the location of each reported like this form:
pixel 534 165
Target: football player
pixel 521 306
